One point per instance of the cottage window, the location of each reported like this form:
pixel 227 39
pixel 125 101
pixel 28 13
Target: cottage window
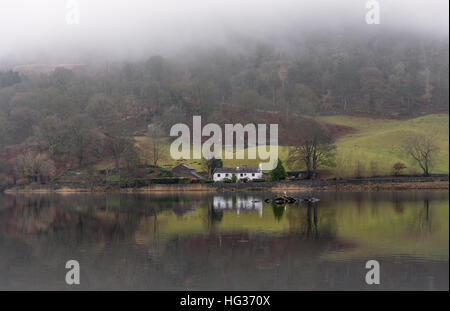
pixel 226 175
pixel 242 175
pixel 218 175
pixel 253 175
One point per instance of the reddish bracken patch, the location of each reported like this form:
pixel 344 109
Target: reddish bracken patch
pixel 337 131
pixel 231 113
pixel 9 153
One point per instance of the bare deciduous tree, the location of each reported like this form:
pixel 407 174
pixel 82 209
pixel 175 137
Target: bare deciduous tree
pixel 117 142
pixel 80 137
pixel 129 163
pixel 155 148
pixel 210 165
pixel 422 148
pixel 36 167
pixel 312 146
pixel 117 146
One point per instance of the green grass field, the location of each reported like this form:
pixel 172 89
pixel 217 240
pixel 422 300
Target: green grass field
pixel 169 163
pixel 376 143
pixel 371 149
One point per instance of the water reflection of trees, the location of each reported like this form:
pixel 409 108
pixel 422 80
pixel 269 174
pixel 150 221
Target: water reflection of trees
pixel 312 229
pixel 110 218
pixel 423 223
pixel 215 216
pixel 313 220
pixel 101 231
pixel 303 218
pixel 278 210
pixel 74 218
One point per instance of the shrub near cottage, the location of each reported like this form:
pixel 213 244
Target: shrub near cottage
pixel 398 167
pixel 138 182
pixel 164 180
pixel 258 180
pixel 206 181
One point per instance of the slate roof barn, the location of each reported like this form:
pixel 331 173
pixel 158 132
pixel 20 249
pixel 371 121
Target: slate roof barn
pixel 184 170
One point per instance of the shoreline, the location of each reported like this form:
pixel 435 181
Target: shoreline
pixel 404 183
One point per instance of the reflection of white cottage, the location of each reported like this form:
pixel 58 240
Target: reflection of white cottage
pixel 240 172
pixel 240 203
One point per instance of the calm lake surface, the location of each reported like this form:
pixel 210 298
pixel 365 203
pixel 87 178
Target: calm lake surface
pixel 227 241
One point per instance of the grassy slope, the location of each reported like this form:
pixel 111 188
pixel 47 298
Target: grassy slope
pixel 169 163
pixel 378 140
pixel 375 145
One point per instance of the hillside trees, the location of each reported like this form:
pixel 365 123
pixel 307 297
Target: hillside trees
pixel 70 116
pixel 372 88
pixel 72 139
pixel 344 83
pixel 129 164
pixel 51 136
pixel 80 138
pixel 117 142
pixel 271 76
pixel 3 138
pixel 252 100
pixel 205 96
pixel 36 167
pixel 305 100
pixel 102 109
pixel 9 78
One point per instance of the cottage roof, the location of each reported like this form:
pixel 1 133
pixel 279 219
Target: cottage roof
pixel 179 171
pixel 195 174
pixel 185 166
pixel 235 170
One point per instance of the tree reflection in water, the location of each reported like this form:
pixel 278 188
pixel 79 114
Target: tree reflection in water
pixel 227 241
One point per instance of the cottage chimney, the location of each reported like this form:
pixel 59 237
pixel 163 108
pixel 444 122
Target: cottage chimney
pixel 260 167
pixel 237 167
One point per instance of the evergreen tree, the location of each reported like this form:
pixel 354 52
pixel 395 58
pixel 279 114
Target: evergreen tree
pixel 278 173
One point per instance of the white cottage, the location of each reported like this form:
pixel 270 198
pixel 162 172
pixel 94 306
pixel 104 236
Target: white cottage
pixel 244 172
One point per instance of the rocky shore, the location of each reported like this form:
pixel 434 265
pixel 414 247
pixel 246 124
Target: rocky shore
pixel 435 182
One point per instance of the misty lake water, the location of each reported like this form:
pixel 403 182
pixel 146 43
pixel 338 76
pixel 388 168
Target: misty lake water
pixel 226 241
